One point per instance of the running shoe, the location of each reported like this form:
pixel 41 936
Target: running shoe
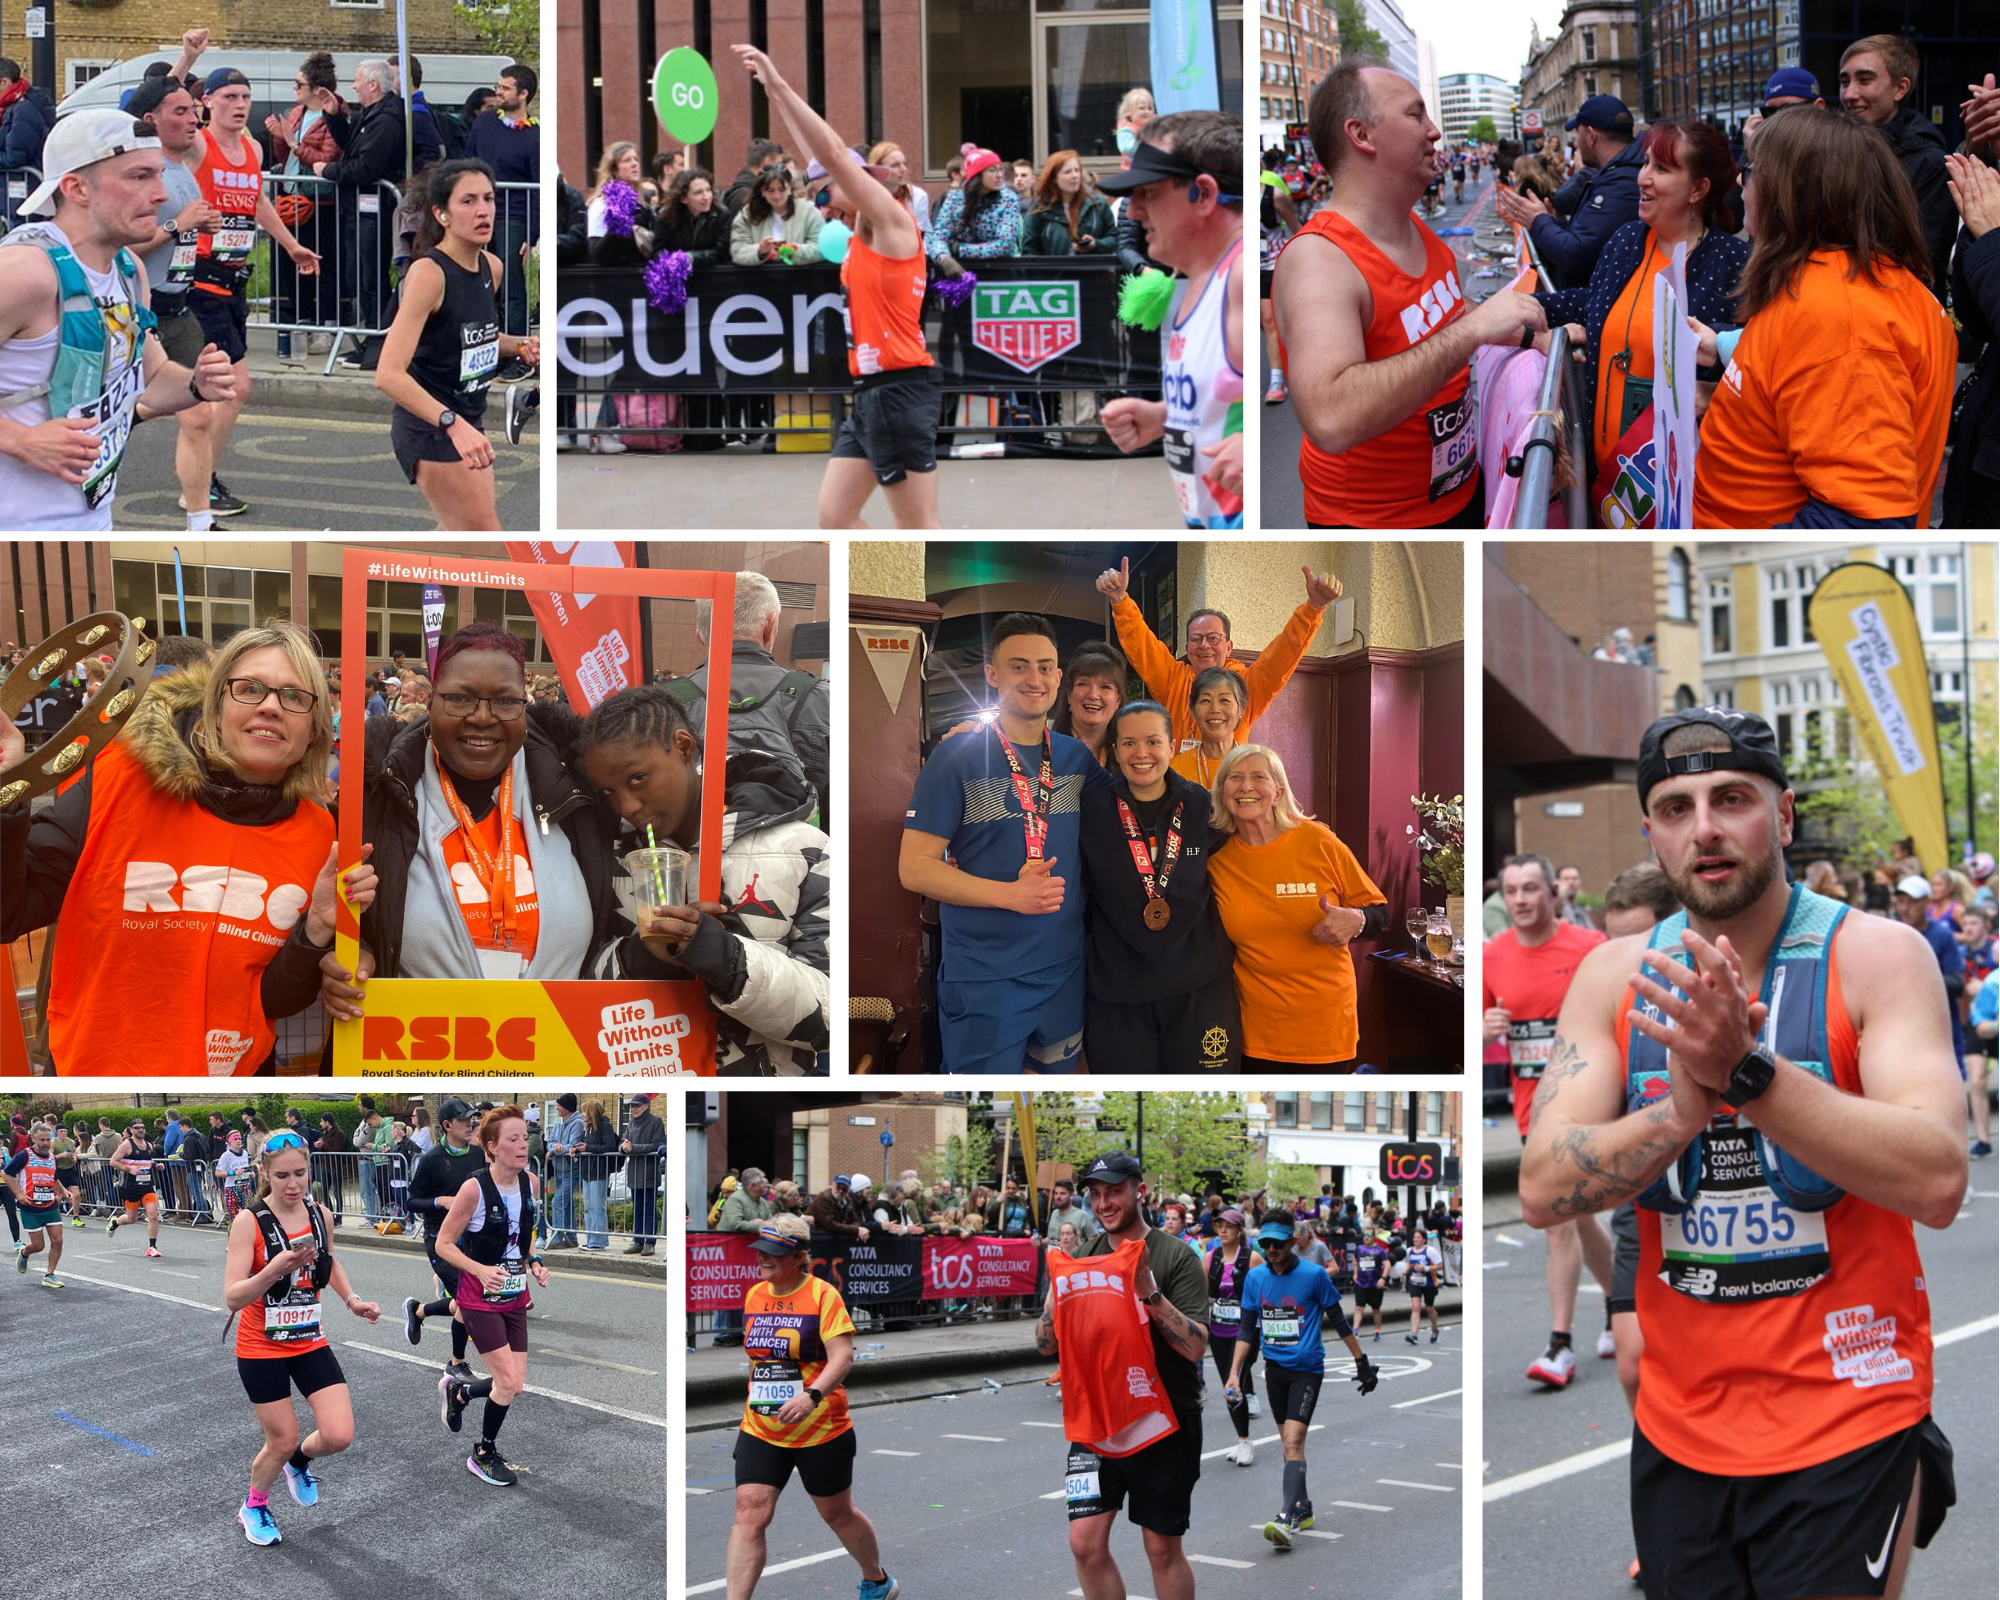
pixel 460 1369
pixel 21 1258
pixel 1256 1406
pixel 1409 1338
pixel 1053 1378
pixel 1279 1531
pixel 1378 1336
pixel 1278 393
pixel 1302 1519
pixel 259 1526
pixel 1555 1367
pixel 485 1464
pixel 1607 1347
pixel 887 1589
pixel 51 1281
pixel 413 1325
pixel 1434 1336
pixel 304 1486
pixel 221 502
pixel 521 400
pixel 1244 1454
pixel 153 1252
pixel 1981 1148
pixel 1632 1572
pixel 111 1227
pixel 451 1401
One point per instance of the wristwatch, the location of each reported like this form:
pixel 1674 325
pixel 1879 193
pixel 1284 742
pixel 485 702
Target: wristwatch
pixel 446 418
pixel 1751 1078
pixel 1155 1297
pixel 816 1397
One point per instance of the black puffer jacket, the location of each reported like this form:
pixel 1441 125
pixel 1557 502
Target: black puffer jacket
pixel 1922 148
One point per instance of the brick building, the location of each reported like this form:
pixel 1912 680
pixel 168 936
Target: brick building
pixel 1297 45
pixel 1595 51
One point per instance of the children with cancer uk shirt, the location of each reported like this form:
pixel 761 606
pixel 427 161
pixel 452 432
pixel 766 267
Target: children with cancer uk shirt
pixel 1839 391
pixel 784 1337
pixel 1529 985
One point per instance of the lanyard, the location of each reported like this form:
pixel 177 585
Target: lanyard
pixel 1034 798
pixel 1142 857
pixel 496 877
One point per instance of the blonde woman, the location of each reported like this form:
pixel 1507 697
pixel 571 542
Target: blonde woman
pixel 913 195
pixel 1293 897
pixel 201 821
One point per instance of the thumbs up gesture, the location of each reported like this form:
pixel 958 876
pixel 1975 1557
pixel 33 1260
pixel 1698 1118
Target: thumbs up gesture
pixel 1338 924
pixel 1037 890
pixel 1113 585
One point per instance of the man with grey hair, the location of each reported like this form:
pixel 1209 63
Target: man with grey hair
pixel 371 153
pixel 782 713
pixel 744 1211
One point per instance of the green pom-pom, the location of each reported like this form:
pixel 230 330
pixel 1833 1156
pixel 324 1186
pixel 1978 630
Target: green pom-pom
pixel 1232 419
pixel 1143 300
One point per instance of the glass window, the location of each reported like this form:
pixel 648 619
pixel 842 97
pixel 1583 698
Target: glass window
pixel 1434 1113
pixel 1721 634
pixel 1322 1109
pixel 272 596
pixel 323 612
pixel 980 61
pixel 133 590
pixel 1679 576
pixel 1350 1110
pixel 1090 67
pixel 1385 1111
pixel 191 577
pixel 229 583
pixel 225 618
pixel 1285 1108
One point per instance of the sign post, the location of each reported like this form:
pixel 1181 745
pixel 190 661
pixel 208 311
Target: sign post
pixel 685 94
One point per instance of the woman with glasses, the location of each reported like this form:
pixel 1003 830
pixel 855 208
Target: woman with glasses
pixel 280 1261
pixel 493 859
pixel 192 867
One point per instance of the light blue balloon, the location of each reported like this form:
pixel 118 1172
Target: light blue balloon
pixel 833 242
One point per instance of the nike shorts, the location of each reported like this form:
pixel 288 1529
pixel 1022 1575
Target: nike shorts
pixel 1825 1530
pixel 894 425
pixel 1032 1023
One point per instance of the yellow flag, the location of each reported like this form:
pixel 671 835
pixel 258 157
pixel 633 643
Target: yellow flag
pixel 1024 1120
pixel 1863 620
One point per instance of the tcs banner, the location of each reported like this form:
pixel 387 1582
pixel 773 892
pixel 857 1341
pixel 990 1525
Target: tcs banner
pixel 968 1267
pixel 594 638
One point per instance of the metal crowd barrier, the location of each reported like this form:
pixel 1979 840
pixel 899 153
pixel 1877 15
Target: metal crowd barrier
pixel 16 184
pixel 1561 393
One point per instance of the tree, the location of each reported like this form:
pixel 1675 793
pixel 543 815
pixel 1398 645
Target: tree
pixel 1185 1135
pixel 1350 21
pixel 512 29
pixel 1847 813
pixel 1483 130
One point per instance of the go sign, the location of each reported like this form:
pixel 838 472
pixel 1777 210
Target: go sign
pixel 684 95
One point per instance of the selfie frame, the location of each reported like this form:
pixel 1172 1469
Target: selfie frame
pixel 635 1029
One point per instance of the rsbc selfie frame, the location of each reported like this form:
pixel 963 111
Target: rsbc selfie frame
pixel 424 1027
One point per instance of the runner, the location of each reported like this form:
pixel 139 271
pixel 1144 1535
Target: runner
pixel 489 1236
pixel 1185 185
pixel 1278 217
pixel 134 1160
pixel 445 346
pixel 31 1176
pixel 889 439
pixel 229 168
pixel 280 1259
pixel 1285 1303
pixel 75 360
pixel 1458 176
pixel 1127 1437
pixel 1778 1154
pixel 1229 1263
pixel 441 1172
pixel 1526 971
pixel 800 1344
pixel 1422 1268
pixel 1372 1261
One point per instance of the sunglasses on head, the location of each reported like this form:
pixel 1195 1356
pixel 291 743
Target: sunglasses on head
pixel 283 1141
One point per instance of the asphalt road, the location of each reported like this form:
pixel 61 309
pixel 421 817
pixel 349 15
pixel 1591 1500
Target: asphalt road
pixel 972 1485
pixel 122 1405
pixel 326 474
pixel 1571 1534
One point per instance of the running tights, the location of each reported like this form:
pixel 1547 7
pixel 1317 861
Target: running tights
pixel 1224 1351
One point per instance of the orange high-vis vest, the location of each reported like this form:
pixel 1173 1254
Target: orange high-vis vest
pixel 170 919
pixel 884 311
pixel 1112 1397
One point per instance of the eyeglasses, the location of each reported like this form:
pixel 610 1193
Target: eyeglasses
pixel 1208 638
pixel 254 692
pixel 298 83
pixel 508 708
pixel 283 1141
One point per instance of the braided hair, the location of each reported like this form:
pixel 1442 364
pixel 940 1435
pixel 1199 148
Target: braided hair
pixel 646 713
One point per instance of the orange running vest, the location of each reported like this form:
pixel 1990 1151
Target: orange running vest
pixel 1112 1397
pixel 1422 471
pixel 171 917
pixel 884 311
pixel 222 253
pixel 1776 1385
pixel 298 1320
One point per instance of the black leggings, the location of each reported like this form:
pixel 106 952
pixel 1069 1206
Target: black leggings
pixel 1224 1351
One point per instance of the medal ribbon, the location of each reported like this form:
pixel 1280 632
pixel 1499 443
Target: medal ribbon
pixel 1142 856
pixel 496 877
pixel 1035 799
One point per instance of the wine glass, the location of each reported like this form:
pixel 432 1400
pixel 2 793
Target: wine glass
pixel 1414 923
pixel 1437 937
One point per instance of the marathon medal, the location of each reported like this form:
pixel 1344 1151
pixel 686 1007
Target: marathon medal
pixel 1157 910
pixel 1035 798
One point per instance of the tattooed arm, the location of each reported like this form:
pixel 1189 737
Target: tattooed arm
pixel 1186 1335
pixel 1045 1330
pixel 1584 1152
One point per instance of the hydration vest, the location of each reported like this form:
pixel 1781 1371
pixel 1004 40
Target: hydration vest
pixel 488 1246
pixel 276 1244
pixel 77 379
pixel 1796 978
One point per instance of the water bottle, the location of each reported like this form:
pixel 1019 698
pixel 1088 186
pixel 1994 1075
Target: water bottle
pixel 284 344
pixel 990 1385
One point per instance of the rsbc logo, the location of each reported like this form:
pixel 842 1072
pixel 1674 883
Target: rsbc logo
pixel 1411 1163
pixel 461 1039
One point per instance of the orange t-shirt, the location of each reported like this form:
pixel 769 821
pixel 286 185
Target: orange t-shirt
pixel 1838 391
pixel 885 310
pixel 302 1320
pixel 785 1337
pixel 1629 328
pixel 1112 1397
pixel 475 905
pixel 1297 995
pixel 1169 678
pixel 1766 1386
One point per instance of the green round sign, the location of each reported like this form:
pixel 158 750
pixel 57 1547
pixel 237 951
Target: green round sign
pixel 684 95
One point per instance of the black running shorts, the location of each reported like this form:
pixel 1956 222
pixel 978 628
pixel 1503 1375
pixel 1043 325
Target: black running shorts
pixel 1624 1294
pixel 1829 1529
pixel 179 330
pixel 1292 1395
pixel 1368 1297
pixel 1158 1481
pixel 224 319
pixel 1428 1294
pixel 1192 1034
pixel 415 440
pixel 825 1469
pixel 893 425
pixel 268 1378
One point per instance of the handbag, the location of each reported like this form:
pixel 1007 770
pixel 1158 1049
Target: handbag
pixel 654 411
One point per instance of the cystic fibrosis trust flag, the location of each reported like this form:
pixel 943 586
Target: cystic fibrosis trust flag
pixel 1183 55
pixel 1863 620
pixel 891 652
pixel 594 638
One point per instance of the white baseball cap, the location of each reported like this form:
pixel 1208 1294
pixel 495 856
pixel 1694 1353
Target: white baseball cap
pixel 1915 887
pixel 79 140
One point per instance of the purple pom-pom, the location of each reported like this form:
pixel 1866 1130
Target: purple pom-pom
pixel 667 281
pixel 621 207
pixel 955 293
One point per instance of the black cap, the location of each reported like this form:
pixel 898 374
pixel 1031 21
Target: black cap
pixel 1752 748
pixel 1605 112
pixel 1114 1166
pixel 454 1110
pixel 1150 163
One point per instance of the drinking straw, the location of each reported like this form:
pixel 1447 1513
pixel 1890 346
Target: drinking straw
pixel 659 881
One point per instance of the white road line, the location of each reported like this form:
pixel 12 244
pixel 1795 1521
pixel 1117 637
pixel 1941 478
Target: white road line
pixel 1425 1400
pixel 701 1491
pixel 1970 1330
pixel 898 1452
pixel 1056 1496
pixel 782 1566
pixel 1361 1505
pixel 526 1388
pixel 1405 1483
pixel 1040 1424
pixel 1219 1561
pixel 1490 1266
pixel 1310 1533
pixel 150 1294
pixel 192 1277
pixel 1450 1466
pixel 976 1438
pixel 593 1361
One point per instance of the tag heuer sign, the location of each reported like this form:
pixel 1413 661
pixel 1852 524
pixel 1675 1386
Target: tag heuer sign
pixel 1027 325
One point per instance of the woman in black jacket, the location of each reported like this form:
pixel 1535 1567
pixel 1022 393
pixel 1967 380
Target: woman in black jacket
pixel 609 246
pixel 693 218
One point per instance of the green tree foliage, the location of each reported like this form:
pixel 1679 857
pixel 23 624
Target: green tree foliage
pixel 510 28
pixel 1482 129
pixel 1350 20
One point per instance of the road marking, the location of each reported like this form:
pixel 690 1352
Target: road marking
pixel 1968 1331
pixel 1491 1266
pixel 1362 1505
pixel 1398 1406
pixel 1312 1533
pixel 903 1452
pixel 782 1566
pixel 1040 1424
pixel 526 1388
pixel 1219 1561
pixel 192 1277
pixel 1514 1244
pixel 1567 1467
pixel 700 1491
pixel 1450 1466
pixel 102 1433
pixel 1405 1483
pixel 151 1294
pixel 593 1361
pixel 977 1438
pixel 1059 1494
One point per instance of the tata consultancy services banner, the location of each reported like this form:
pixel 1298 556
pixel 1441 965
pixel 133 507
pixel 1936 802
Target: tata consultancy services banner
pixel 1183 46
pixel 976 1266
pixel 889 1267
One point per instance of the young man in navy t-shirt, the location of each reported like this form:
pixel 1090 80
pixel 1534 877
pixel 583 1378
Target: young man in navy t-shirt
pixel 1004 804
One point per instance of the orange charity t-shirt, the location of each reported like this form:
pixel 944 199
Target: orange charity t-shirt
pixel 784 1337
pixel 1297 995
pixel 476 905
pixel 1628 331
pixel 1169 679
pixel 1112 1397
pixel 298 1322
pixel 1838 391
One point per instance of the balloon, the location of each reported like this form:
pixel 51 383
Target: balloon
pixel 833 239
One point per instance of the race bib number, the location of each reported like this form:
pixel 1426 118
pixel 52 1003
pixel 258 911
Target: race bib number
pixel 138 1171
pixel 1083 1481
pixel 1528 1046
pixel 180 265
pixel 773 1384
pixel 1454 446
pixel 1178 444
pixel 1739 1242
pixel 513 1284
pixel 112 410
pixel 292 1324
pixel 1281 1330
pixel 1224 1313
pixel 479 358
pixel 41 1196
pixel 233 245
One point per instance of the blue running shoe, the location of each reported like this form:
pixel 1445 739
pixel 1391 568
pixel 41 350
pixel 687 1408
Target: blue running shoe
pixel 304 1486
pixel 885 1590
pixel 259 1526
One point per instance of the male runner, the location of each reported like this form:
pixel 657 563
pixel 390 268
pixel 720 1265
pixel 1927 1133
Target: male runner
pixel 229 169
pixel 1159 1478
pixel 75 357
pixel 1278 218
pixel 1285 1302
pixel 133 1162
pixel 992 821
pixel 1770 1076
pixel 440 1173
pixel 1185 186
pixel 1526 971
pixel 31 1175
pixel 1372 1260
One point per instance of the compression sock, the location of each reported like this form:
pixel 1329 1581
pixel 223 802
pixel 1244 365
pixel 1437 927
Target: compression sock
pixel 436 1308
pixel 478 1389
pixel 1295 1485
pixel 255 1498
pixel 458 1341
pixel 1558 1341
pixel 489 1423
pixel 301 1462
